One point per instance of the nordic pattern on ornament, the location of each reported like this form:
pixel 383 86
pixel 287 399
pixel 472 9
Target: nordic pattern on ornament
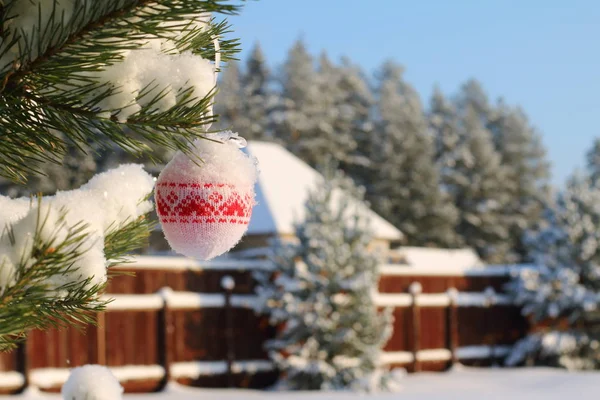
pixel 203 203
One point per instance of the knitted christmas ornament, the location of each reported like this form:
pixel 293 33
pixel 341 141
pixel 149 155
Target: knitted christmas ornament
pixel 204 206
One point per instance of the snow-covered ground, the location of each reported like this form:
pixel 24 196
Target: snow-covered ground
pixel 463 384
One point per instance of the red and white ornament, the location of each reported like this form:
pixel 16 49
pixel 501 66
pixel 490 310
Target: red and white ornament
pixel 204 205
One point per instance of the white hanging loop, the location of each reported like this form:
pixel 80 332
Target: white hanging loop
pixel 217 57
pixel 216 74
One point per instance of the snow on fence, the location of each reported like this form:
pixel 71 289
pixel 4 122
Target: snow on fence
pixel 183 320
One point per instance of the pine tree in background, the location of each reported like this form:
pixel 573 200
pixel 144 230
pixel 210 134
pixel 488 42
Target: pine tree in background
pixel 331 111
pixel 563 289
pixel 480 188
pixel 229 104
pixel 131 75
pixel 524 156
pixel 593 162
pixel 313 120
pixel 405 184
pixel 444 126
pixel 245 100
pixel 75 168
pixel 331 334
pixel 354 114
pixel 298 85
pixel 472 96
pixel 257 94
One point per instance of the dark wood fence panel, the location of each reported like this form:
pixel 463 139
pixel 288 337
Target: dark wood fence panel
pixel 131 338
pixel 401 335
pixel 426 337
pixel 433 328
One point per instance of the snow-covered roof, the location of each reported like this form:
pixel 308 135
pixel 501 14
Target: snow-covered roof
pixel 282 189
pixel 424 257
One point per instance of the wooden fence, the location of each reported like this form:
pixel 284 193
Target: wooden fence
pixel 179 320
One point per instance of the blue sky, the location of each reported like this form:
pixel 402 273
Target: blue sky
pixel 542 55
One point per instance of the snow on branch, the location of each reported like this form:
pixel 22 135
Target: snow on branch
pixel 55 251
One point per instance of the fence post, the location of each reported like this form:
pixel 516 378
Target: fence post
pixel 101 338
pixel 490 298
pixel 452 321
pixel 165 336
pixel 23 362
pixel 228 283
pixel 415 289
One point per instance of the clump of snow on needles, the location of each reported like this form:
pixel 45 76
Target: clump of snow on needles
pixel 156 65
pixel 92 382
pixel 108 201
pixel 148 73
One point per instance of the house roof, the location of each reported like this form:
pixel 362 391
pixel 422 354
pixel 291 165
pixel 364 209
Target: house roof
pixel 282 189
pixel 444 259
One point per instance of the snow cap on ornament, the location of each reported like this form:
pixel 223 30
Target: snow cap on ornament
pixel 204 206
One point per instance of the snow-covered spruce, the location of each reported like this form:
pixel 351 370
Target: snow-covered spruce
pixel 404 186
pixel 108 201
pixel 321 298
pixel 564 286
pixel 572 350
pixel 92 382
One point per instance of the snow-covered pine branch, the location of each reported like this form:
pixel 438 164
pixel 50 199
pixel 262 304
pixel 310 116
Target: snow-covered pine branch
pixel 55 251
pixel 563 290
pixel 135 75
pixel 92 69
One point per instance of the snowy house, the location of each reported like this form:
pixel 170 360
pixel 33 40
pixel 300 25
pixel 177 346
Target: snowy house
pixel 428 258
pixel 281 191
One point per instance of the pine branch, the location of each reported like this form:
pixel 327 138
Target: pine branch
pixel 58 90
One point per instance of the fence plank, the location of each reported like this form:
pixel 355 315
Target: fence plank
pixel 165 340
pixel 415 288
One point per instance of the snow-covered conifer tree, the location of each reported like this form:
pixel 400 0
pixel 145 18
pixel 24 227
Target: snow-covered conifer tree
pixel 524 157
pixel 245 99
pixel 321 297
pixel 312 117
pixel 563 286
pixel 593 162
pixel 137 75
pixel 479 186
pixel 405 184
pixel 229 105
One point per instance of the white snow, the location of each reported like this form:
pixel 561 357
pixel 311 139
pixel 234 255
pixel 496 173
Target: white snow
pixel 461 384
pixel 467 299
pixel 108 201
pixel 124 302
pixel 194 369
pixel 465 352
pixel 92 382
pixel 425 257
pixel 396 357
pixel 176 300
pixel 283 185
pixel 11 379
pixel 189 264
pixel 482 352
pixel 433 300
pixel 393 299
pixel 442 270
pixel 463 299
pixel 434 355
